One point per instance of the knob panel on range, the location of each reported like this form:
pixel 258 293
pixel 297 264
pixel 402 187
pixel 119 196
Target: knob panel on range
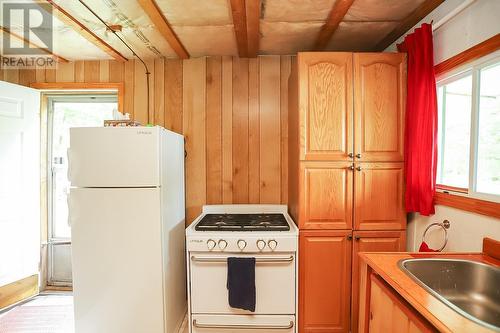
pixel 261 244
pixel 272 244
pixel 211 244
pixel 222 244
pixel 241 244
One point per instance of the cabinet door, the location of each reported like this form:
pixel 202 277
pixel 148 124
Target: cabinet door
pixel 325 105
pixel 371 241
pixel 325 195
pixel 380 101
pixel 379 196
pixel 389 312
pixel 324 281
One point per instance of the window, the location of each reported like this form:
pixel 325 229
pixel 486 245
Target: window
pixel 469 131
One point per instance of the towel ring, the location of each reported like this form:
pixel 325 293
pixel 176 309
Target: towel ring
pixel 445 225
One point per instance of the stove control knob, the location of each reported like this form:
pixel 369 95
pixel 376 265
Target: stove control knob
pixel 211 244
pixel 222 244
pixel 272 244
pixel 261 244
pixel 242 244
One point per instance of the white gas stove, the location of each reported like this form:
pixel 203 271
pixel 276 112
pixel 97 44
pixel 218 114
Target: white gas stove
pixel 264 232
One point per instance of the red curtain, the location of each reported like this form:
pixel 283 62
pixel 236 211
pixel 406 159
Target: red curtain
pixel 421 122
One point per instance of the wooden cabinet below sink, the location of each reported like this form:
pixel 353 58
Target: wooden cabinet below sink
pixel 390 313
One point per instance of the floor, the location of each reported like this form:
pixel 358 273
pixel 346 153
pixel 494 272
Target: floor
pixel 42 314
pixel 45 314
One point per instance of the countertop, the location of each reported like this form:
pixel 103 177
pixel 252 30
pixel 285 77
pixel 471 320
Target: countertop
pixel 437 313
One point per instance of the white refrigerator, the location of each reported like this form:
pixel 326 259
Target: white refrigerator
pixel 126 208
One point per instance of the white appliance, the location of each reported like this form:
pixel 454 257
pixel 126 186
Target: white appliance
pixel 127 228
pixel 223 231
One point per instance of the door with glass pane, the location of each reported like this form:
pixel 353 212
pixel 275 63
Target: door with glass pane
pixel 64 112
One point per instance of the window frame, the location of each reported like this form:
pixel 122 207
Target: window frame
pixel 473 68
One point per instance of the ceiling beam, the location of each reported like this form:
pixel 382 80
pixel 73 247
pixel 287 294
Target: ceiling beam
pixel 161 23
pixel 30 43
pixel 85 32
pixel 253 20
pixel 336 15
pixel 238 9
pixel 408 22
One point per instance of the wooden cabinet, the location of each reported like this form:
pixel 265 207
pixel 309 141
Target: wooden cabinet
pixel 325 104
pixel 370 241
pixel 379 104
pixel 346 131
pixel 325 279
pixel 379 196
pixel 326 195
pixel 389 312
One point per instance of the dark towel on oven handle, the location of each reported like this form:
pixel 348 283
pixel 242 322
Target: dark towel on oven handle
pixel 241 282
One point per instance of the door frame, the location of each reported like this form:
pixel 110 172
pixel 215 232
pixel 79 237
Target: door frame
pixel 51 237
pixel 52 88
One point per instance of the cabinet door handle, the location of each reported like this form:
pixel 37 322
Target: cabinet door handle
pixel 358 155
pixel 351 155
pixel 357 237
pixel 349 237
pixel 351 167
pixel 358 168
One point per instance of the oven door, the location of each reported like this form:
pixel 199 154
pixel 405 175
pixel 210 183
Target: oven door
pixel 274 284
pixel 247 324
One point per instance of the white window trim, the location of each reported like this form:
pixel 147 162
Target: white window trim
pixel 456 74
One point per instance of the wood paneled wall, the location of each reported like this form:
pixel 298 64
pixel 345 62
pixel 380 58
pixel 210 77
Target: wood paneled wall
pixel 232 111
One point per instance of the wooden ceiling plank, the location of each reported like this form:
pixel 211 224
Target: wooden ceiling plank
pixel 336 15
pixel 34 45
pixel 162 24
pixel 238 9
pixel 407 23
pixel 85 32
pixel 253 20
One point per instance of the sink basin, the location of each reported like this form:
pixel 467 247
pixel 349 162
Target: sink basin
pixel 470 288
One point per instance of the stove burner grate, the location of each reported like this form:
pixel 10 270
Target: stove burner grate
pixel 243 222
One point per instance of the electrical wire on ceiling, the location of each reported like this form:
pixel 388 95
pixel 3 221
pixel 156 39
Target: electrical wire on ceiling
pixel 131 50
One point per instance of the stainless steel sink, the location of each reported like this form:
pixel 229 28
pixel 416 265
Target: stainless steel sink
pixel 470 288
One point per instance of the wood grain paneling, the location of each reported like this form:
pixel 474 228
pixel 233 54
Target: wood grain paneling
pixel 253 131
pixel 326 104
pixel 380 102
pixel 370 241
pixel 173 95
pixel 194 102
pixel 379 196
pixel 270 140
pixel 158 95
pixel 240 130
pixel 389 312
pixel 285 71
pixel 91 71
pixel 227 130
pixel 325 195
pixel 65 72
pixel 214 130
pixel 233 112
pixel 324 281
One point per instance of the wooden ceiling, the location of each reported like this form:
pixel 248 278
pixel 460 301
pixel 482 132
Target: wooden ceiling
pixel 194 28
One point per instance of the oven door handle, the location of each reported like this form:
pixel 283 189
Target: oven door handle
pixel 244 327
pixel 257 259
